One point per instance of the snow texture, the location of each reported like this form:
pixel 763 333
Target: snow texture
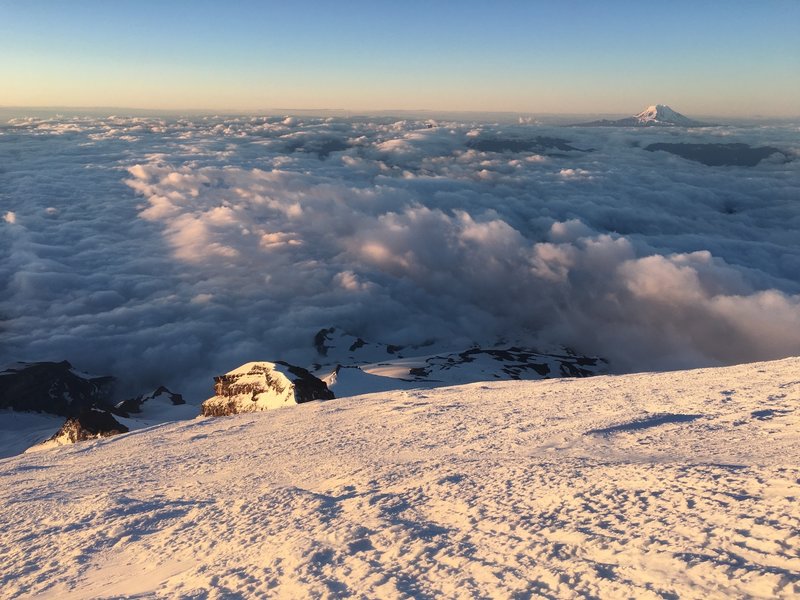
pixel 669 485
pixel 21 430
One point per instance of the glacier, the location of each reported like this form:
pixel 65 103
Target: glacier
pixel 598 487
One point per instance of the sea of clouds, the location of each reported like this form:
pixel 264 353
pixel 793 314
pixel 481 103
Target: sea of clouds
pixel 171 250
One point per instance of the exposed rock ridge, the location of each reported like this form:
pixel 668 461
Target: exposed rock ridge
pixel 52 387
pixel 88 425
pixel 258 386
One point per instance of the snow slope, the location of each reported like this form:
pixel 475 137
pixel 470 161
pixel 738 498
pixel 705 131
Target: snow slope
pixel 669 485
pixel 21 430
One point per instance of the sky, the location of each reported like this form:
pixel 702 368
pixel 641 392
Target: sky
pixel 726 58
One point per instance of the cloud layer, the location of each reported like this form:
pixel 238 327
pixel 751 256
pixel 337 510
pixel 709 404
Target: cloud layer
pixel 168 251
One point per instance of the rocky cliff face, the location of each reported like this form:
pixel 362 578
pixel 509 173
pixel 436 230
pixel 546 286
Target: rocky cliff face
pixel 258 386
pixel 52 387
pixel 90 424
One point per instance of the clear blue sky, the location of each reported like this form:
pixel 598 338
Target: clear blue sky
pixel 726 57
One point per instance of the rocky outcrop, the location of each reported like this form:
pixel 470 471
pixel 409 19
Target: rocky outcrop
pixel 133 406
pixel 90 424
pixel 258 386
pixel 52 387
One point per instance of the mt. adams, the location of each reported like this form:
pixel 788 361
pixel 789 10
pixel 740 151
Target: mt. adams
pixel 658 115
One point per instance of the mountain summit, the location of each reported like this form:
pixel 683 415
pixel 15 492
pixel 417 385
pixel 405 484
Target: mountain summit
pixel 657 115
pixel 661 114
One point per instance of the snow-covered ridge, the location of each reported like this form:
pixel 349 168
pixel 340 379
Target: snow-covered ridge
pixel 398 367
pixel 654 485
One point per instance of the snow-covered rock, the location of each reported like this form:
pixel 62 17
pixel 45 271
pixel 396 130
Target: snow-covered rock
pixel 479 364
pixel 90 424
pixel 257 386
pixel 452 368
pixel 384 367
pixel 335 346
pixel 158 399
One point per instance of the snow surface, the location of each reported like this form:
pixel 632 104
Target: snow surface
pixel 21 430
pixel 668 485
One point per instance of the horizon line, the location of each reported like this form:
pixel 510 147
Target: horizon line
pixel 356 112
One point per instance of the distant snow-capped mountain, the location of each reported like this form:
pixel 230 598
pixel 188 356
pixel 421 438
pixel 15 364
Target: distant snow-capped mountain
pixel 657 115
pixel 661 114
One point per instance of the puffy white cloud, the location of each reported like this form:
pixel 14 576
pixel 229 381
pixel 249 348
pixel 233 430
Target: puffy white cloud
pixel 205 243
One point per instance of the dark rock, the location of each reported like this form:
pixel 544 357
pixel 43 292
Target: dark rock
pixel 52 387
pixel 320 338
pixel 359 343
pixel 307 387
pixel 90 424
pixel 719 155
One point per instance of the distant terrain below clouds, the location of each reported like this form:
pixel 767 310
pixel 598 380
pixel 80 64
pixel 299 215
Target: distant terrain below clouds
pixel 167 251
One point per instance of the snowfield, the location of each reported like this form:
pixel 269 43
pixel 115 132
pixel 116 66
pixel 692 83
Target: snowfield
pixel 666 485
